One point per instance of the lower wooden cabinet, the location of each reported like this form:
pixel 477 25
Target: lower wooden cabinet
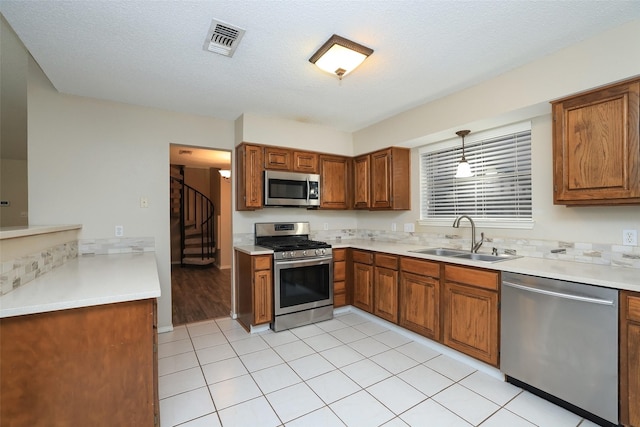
pixel 363 280
pixel 254 281
pixel 470 308
pixel 420 297
pixel 90 366
pixel 340 295
pixel 385 287
pixel 630 358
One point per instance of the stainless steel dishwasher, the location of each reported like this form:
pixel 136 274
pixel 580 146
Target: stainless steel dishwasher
pixel 561 338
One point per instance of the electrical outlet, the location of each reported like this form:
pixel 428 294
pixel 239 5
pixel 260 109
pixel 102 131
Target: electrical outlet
pixel 119 231
pixel 409 227
pixel 325 226
pixel 394 226
pixel 630 237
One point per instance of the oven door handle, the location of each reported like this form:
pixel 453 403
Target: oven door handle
pixel 304 262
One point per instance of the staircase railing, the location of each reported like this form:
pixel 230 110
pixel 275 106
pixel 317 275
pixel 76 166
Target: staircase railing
pixel 196 207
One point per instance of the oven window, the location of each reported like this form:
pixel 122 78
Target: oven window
pixel 287 189
pixel 301 285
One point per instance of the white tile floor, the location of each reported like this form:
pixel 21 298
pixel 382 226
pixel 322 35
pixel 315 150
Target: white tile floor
pixel 352 370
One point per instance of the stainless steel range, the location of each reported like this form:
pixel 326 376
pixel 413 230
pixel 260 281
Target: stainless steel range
pixel 303 274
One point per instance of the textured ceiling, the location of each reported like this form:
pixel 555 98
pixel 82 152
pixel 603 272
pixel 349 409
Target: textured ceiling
pixel 151 53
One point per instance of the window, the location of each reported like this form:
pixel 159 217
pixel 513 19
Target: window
pixel 499 193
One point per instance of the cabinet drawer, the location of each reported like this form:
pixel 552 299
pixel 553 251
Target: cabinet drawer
pixel 339 300
pixel 261 262
pixel 421 267
pixel 362 257
pixel 339 287
pixel 633 307
pixel 339 268
pixel 472 276
pixel 339 254
pixel 386 261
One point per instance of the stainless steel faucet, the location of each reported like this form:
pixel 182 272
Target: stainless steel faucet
pixel 474 245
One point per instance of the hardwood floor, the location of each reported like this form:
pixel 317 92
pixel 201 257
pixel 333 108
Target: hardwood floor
pixel 199 294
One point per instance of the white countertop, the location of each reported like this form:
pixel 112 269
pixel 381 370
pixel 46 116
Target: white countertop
pixel 32 230
pixel 86 281
pixel 592 274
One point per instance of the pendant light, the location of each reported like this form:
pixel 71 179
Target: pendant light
pixel 464 170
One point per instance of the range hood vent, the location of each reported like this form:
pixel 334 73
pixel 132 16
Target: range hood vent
pixel 223 38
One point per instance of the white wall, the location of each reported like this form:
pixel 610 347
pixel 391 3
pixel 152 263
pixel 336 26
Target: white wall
pixel 520 94
pixel 90 161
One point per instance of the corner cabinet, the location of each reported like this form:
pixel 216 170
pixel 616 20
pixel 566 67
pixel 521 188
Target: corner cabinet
pixel 381 180
pixel 334 182
pixel 249 181
pixel 596 146
pixel 89 366
pixel 630 358
pixel 254 279
pixel 470 304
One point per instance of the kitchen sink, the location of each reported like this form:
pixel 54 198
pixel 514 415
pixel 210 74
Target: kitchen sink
pixel 487 257
pixel 456 253
pixel 440 252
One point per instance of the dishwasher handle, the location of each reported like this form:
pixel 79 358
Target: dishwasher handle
pixel 559 294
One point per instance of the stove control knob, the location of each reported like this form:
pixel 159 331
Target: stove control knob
pixel 320 251
pixel 292 254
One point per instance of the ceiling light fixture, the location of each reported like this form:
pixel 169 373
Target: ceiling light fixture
pixel 225 173
pixel 464 170
pixel 340 56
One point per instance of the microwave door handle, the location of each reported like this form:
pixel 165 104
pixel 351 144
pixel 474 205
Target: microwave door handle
pixel 308 191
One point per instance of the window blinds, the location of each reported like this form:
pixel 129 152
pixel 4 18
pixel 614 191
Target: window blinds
pixel 500 189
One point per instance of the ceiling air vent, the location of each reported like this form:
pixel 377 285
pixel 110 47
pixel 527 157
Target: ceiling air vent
pixel 223 38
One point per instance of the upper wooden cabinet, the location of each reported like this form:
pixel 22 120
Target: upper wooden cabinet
pixel 596 148
pixel 278 158
pixel 305 161
pixel 382 180
pixel 334 182
pixel 361 192
pixel 249 180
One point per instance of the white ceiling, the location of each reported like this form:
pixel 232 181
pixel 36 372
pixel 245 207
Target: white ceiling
pixel 151 53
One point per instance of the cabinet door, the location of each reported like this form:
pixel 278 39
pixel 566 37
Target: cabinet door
pixel 334 173
pixel 304 161
pixel 361 191
pixel 471 321
pixel 363 286
pixel 262 297
pixel 250 180
pixel 386 294
pixel 381 179
pixel 630 358
pixel 277 158
pixel 596 146
pixel 419 304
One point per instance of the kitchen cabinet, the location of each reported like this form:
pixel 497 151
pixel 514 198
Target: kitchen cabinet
pixel 470 311
pixel 334 182
pixel 249 165
pixel 420 297
pixel 254 278
pixel 596 146
pixel 305 162
pixel 340 295
pixel 389 179
pixel 630 358
pixel 361 191
pixel 385 287
pixel 362 279
pixel 89 366
pixel 277 158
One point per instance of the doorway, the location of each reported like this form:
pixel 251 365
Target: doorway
pixel 201 240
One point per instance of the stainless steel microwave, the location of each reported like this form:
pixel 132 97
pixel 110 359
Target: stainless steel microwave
pixel 291 189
